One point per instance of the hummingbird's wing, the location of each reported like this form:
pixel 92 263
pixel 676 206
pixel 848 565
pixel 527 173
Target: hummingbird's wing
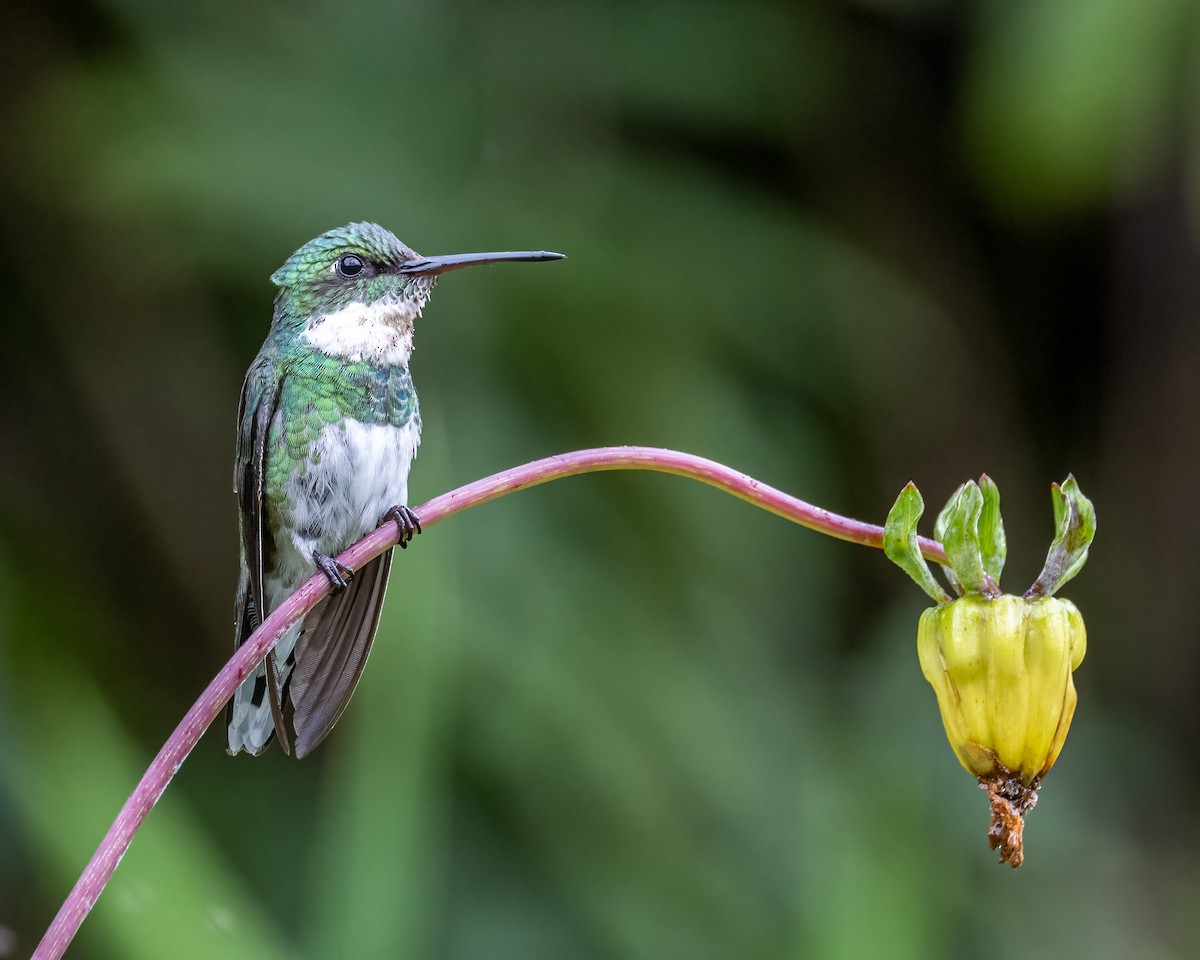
pixel 256 409
pixel 331 652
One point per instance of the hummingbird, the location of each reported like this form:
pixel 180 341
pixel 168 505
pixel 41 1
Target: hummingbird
pixel 327 428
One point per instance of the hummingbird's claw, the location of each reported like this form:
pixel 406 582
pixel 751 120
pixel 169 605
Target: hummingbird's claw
pixel 407 521
pixel 339 574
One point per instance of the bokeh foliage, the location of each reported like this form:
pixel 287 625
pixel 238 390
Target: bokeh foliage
pixel 836 245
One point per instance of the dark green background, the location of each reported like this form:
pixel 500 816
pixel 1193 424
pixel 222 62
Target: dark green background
pixel 836 245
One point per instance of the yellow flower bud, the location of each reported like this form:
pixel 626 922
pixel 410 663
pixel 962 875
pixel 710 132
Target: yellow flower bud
pixel 1001 669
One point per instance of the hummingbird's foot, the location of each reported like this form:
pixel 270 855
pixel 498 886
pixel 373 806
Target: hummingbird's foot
pixel 339 574
pixel 407 521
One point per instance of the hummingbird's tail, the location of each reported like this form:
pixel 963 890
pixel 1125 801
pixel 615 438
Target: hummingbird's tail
pixel 319 659
pixel 331 652
pixel 249 717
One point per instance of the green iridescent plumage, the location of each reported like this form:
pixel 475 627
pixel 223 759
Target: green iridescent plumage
pixel 319 391
pixel 309 287
pixel 328 427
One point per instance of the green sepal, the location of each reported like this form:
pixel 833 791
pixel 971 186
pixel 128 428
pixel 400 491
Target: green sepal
pixel 993 546
pixel 939 534
pixel 1074 528
pixel 957 529
pixel 900 541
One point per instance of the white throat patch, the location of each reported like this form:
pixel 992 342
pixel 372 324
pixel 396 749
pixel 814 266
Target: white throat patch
pixel 380 333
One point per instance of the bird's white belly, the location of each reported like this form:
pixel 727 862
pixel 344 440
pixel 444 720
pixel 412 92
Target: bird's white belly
pixel 357 472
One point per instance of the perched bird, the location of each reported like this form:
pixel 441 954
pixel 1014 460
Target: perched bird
pixel 327 428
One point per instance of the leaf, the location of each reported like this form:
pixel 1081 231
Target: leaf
pixel 1074 529
pixel 900 541
pixel 958 531
pixel 992 544
pixel 939 534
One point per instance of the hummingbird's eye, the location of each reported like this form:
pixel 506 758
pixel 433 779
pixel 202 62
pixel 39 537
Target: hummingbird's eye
pixel 349 265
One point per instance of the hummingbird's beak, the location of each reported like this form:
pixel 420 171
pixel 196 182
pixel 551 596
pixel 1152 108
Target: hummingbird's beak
pixel 432 266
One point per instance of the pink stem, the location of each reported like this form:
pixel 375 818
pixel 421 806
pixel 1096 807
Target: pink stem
pixel 112 848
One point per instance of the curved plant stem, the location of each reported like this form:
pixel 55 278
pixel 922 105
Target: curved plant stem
pixel 112 848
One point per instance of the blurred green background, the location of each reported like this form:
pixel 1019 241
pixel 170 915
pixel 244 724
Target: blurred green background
pixel 837 245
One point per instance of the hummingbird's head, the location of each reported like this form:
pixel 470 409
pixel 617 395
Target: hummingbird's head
pixel 362 266
pixel 358 263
